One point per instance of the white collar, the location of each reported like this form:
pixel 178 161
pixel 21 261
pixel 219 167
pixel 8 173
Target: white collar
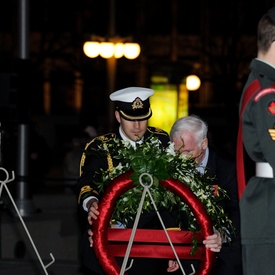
pixel 133 143
pixel 202 165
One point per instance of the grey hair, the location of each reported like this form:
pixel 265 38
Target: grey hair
pixel 192 124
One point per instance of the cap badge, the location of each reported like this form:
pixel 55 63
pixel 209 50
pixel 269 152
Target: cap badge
pixel 137 104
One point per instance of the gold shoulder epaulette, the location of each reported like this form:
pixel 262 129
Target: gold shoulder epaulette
pixel 106 137
pixel 103 138
pixel 155 130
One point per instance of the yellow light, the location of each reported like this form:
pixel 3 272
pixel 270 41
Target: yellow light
pixel 182 101
pixel 107 49
pixel 91 49
pixel 119 50
pixel 131 50
pixel 193 82
pixel 164 106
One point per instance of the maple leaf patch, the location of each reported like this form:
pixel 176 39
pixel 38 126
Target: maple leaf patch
pixel 271 108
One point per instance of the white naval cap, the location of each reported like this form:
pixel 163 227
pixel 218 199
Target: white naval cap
pixel 133 103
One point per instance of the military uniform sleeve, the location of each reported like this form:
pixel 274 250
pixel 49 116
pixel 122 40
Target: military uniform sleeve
pixel 264 121
pixel 92 162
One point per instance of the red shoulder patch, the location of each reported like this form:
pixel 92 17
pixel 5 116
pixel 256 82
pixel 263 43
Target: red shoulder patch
pixel 271 108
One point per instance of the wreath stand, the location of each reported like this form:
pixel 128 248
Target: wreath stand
pixel 109 242
pixel 3 184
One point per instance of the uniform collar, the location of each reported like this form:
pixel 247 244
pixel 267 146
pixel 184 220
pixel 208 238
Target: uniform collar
pixel 265 62
pixel 133 143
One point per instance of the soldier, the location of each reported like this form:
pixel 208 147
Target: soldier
pixel 256 131
pixel 132 111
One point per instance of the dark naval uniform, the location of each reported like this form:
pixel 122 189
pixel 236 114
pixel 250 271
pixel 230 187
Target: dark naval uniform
pixel 257 204
pixel 91 165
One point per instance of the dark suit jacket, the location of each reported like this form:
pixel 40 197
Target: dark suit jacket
pixel 229 260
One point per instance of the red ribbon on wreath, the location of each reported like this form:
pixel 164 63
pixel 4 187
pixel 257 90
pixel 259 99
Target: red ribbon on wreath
pixel 119 186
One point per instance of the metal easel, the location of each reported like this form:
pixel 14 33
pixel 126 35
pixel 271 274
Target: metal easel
pixel 128 250
pixel 3 184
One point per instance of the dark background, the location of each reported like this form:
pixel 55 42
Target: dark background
pixel 214 39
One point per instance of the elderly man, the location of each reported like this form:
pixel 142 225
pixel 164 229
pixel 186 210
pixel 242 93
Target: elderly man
pixel 189 135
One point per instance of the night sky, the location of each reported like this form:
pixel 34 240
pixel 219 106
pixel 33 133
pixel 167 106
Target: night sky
pixel 64 25
pixel 156 16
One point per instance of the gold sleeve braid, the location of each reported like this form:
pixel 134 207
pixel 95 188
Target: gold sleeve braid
pixel 83 157
pixel 87 188
pixel 83 190
pixel 109 161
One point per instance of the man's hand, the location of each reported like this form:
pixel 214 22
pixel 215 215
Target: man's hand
pixel 172 266
pixel 92 215
pixel 214 242
pixel 92 212
pixel 90 233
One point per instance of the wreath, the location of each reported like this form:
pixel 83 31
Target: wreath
pixel 173 173
pixel 121 185
pixel 162 163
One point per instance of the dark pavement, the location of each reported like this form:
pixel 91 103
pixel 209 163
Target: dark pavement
pixel 53 229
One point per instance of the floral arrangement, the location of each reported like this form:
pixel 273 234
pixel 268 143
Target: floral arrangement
pixel 161 163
